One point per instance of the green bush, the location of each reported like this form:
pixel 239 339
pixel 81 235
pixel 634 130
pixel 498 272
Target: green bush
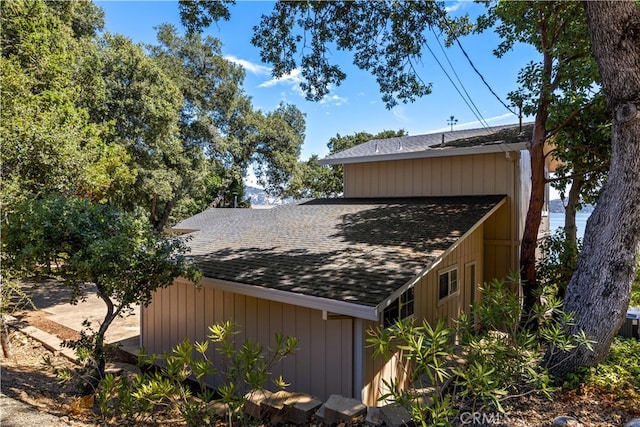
pixel 558 261
pixel 486 359
pixel 635 289
pixel 618 375
pixel 178 388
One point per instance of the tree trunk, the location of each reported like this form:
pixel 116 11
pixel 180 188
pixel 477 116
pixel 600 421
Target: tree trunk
pixel 599 291
pixel 570 228
pixel 536 203
pixel 99 353
pixel 7 350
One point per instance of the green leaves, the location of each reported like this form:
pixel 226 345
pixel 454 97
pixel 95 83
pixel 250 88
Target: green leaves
pixel 242 367
pixel 386 39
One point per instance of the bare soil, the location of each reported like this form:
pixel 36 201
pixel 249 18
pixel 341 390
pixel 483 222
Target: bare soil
pixel 26 379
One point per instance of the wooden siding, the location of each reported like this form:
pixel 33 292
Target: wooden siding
pixel 322 366
pixel 477 174
pixel 428 307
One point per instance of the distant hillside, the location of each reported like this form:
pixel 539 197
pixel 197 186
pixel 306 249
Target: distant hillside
pixel 260 197
pixel 556 206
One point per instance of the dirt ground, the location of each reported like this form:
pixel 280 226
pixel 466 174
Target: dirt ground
pixel 24 378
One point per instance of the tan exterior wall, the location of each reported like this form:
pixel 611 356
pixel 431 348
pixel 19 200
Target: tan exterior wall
pixel 322 366
pixel 469 175
pixel 465 257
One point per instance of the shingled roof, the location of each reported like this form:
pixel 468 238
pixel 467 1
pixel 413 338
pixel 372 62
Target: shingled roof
pixel 356 251
pixel 483 140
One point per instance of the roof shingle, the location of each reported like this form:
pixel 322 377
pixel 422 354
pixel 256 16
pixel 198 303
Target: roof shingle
pixel 416 145
pixel 352 250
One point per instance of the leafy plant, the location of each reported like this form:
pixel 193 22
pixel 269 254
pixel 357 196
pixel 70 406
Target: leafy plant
pixel 488 358
pixel 558 261
pixel 12 299
pixel 619 374
pixel 635 289
pixel 79 243
pixel 179 386
pixel 429 351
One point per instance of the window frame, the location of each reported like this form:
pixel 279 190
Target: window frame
pixel 403 307
pixel 451 292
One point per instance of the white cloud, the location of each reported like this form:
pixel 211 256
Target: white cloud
pixel 454 7
pixel 293 78
pixel 398 113
pixel 334 100
pixel 257 69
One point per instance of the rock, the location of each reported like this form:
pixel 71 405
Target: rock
pixel 633 423
pixel 374 417
pixel 396 416
pixel 219 408
pixel 253 402
pixel 339 408
pixel 564 421
pixel 300 407
pixel 293 407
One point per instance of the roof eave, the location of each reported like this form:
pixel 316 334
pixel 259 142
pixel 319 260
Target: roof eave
pixel 428 153
pixel 308 301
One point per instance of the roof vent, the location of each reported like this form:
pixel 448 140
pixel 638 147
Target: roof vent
pixel 400 145
pixel 377 149
pixel 442 144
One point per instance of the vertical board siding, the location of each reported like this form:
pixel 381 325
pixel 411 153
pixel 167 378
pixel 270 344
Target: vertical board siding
pixel 427 308
pixel 469 175
pixel 322 366
pixel 475 174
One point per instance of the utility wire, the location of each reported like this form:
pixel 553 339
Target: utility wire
pixel 446 22
pixel 482 77
pixel 482 119
pixel 454 85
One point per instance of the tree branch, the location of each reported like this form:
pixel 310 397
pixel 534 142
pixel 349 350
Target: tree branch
pixel 575 175
pixel 570 118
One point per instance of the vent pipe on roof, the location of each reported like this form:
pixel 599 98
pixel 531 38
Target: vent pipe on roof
pixel 400 145
pixel 377 149
pixel 442 145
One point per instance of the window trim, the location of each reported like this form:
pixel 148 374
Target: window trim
pixel 398 304
pixel 450 294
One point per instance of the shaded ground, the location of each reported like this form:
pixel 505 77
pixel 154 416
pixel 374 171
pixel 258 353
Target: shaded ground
pixel 53 311
pixel 48 403
pixel 41 399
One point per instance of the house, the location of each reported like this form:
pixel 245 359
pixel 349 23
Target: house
pixel 423 221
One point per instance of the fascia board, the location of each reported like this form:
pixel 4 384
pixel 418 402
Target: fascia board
pixel 317 303
pixel 427 153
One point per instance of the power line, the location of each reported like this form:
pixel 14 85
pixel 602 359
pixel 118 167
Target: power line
pixel 455 86
pixel 482 77
pixel 446 22
pixel 482 119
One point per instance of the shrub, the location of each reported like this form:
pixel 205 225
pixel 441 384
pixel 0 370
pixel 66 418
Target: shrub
pixel 619 374
pixel 488 358
pixel 558 261
pixel 179 386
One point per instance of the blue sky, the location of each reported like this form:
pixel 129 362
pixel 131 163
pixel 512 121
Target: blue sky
pixel 355 105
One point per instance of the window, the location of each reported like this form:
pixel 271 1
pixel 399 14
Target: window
pixel 447 283
pixel 401 308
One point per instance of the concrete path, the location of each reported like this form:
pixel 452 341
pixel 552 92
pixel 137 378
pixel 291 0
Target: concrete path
pixel 53 298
